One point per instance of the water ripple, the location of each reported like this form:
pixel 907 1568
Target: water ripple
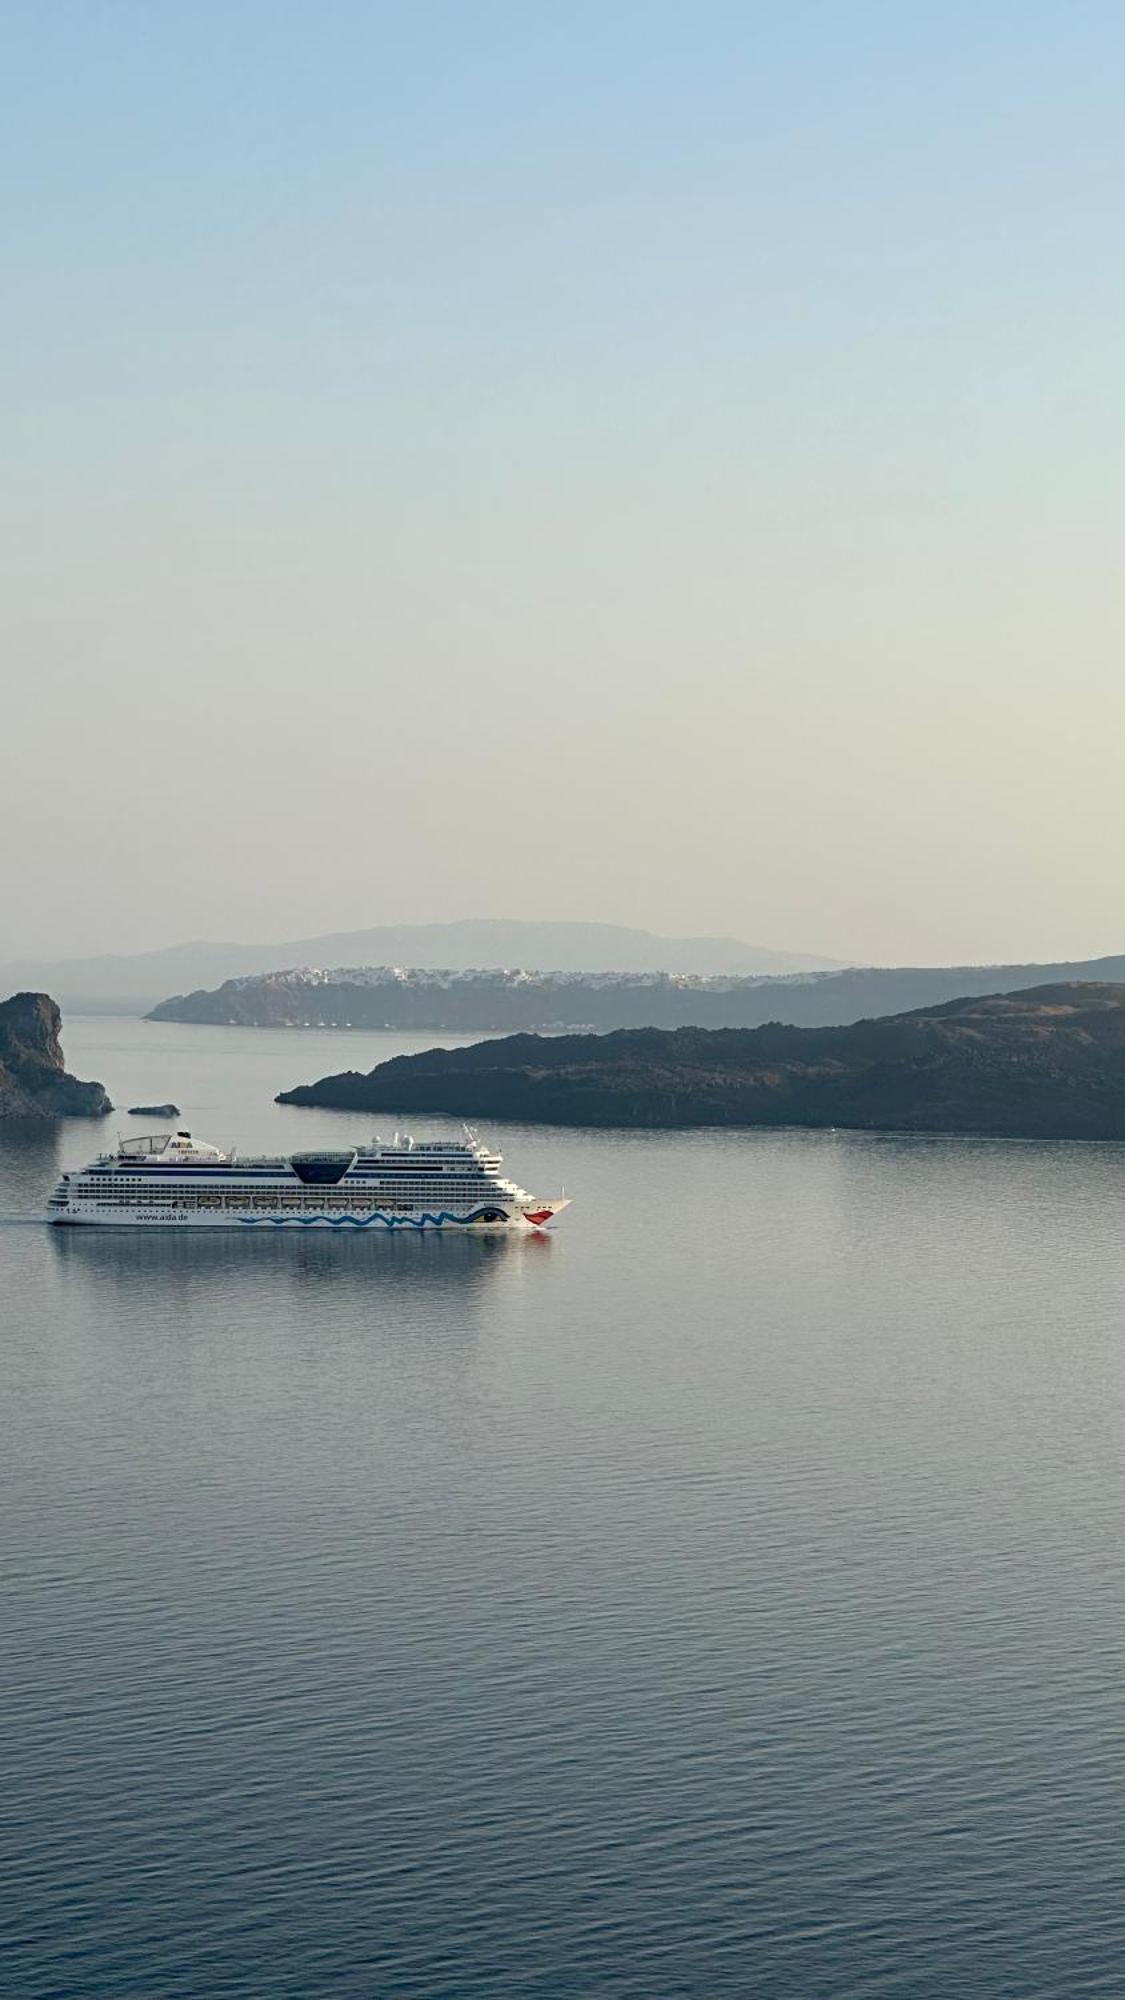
pixel 735 1610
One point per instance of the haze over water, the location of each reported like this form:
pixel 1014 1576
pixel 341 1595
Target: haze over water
pixel 724 1596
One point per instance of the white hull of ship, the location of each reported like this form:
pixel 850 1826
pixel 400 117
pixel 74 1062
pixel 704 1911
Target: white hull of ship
pixel 263 1222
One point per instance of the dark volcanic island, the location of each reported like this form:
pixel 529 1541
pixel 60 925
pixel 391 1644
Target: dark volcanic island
pixel 34 1082
pixel 1045 1063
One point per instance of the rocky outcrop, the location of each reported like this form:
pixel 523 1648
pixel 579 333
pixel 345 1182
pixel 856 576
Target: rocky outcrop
pixel 34 1082
pixel 154 1111
pixel 1049 1063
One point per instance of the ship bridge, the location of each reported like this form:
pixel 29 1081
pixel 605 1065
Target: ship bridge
pixel 171 1149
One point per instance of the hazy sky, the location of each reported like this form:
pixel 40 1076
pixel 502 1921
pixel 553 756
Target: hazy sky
pixel 655 462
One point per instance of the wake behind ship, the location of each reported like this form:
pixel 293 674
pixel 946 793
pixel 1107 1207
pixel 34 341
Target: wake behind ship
pixel 175 1180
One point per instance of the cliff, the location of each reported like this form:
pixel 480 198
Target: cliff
pixel 421 998
pixel 1049 1063
pixel 34 1082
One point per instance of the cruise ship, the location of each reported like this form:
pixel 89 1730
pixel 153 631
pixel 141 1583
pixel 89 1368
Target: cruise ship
pixel 172 1180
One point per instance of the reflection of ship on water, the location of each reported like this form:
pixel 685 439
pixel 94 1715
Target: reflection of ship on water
pixel 385 1268
pixel 237 1328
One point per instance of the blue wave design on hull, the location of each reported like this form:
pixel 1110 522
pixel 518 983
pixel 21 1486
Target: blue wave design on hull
pixel 360 1221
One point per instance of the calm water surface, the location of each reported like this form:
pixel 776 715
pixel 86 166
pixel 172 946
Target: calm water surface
pixel 725 1596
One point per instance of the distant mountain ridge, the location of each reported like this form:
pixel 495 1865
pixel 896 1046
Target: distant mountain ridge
pixel 141 979
pixel 1043 1063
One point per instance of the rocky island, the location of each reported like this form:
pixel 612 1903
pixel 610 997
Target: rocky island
pixel 34 1082
pixel 1045 1063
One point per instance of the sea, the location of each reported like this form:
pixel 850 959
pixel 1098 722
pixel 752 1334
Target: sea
pixel 721 1595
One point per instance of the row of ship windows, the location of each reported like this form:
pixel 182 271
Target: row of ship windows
pixel 201 1176
pixel 363 1183
pixel 313 1203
